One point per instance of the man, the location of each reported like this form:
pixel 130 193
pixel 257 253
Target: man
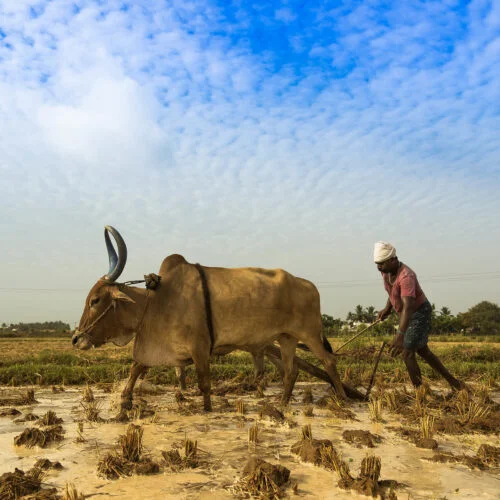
pixel 414 310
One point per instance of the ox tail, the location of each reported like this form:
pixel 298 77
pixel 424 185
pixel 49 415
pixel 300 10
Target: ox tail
pixel 326 344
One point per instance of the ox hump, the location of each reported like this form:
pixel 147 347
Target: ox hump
pixel 171 262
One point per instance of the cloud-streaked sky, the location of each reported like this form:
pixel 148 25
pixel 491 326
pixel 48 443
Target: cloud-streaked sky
pixel 275 134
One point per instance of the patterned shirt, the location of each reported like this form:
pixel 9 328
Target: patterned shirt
pixel 405 285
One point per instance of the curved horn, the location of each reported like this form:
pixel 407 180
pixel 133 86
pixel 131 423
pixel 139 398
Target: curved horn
pixel 116 262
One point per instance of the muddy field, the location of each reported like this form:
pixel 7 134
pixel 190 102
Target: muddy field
pixel 183 452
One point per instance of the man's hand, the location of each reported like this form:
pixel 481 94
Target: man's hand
pixel 396 347
pixel 383 314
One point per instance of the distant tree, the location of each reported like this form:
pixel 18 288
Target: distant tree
pixel 370 314
pixel 445 311
pixel 331 325
pixel 433 312
pixel 359 313
pixel 362 315
pixel 483 318
pixel 40 328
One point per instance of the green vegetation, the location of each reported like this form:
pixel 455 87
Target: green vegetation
pixel 481 319
pixel 468 344
pixel 46 329
pixel 54 362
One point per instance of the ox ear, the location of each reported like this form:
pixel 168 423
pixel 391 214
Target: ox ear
pixel 119 295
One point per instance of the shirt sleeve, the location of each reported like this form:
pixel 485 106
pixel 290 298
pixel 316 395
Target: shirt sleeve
pixel 408 286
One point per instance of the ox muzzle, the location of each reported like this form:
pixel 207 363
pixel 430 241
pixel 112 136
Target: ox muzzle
pixel 81 341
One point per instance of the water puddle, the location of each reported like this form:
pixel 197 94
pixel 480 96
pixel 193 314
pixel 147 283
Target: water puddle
pixel 222 439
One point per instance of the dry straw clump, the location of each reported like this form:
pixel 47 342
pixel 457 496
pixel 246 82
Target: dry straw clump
pixel 262 479
pixel 427 426
pixel 88 395
pixel 32 436
pixel 27 399
pixel 253 435
pixel 128 457
pixel 268 410
pixel 112 466
pixel 176 463
pixel 240 407
pixel 50 418
pixel 375 408
pixel 367 483
pixel 91 410
pixel 17 484
pixel 80 438
pixel 360 438
pixel 472 412
pixel 312 450
pixel 71 493
pixel 131 443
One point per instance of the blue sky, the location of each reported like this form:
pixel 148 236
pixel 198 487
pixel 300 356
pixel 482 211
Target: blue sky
pixel 274 134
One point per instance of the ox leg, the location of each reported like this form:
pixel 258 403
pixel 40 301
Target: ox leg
pixel 278 364
pixel 258 362
pixel 290 369
pixel 329 362
pixel 126 397
pixel 180 373
pixel 202 366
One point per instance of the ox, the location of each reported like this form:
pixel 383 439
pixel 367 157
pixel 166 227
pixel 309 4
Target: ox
pixel 198 311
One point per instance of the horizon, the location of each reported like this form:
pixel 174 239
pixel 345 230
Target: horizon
pixel 276 135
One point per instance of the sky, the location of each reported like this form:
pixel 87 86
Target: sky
pixel 277 134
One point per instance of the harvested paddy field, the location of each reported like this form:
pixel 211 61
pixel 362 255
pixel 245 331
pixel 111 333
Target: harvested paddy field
pixel 400 444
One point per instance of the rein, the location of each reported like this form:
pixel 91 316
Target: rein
pixel 113 304
pixel 89 327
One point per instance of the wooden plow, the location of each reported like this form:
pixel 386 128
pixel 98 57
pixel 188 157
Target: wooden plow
pixel 274 355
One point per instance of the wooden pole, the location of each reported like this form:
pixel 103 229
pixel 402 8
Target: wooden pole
pixel 370 385
pixel 357 335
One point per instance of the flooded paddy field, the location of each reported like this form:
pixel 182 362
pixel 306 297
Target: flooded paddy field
pixel 57 428
pixel 248 423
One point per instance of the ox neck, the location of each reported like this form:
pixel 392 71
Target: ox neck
pixel 137 311
pixel 135 293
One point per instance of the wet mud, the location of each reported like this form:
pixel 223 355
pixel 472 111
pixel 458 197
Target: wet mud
pixel 214 462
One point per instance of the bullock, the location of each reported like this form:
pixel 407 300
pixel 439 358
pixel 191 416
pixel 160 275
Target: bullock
pixel 197 311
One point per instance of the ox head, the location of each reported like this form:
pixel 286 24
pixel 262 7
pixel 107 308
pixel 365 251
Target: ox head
pixel 104 317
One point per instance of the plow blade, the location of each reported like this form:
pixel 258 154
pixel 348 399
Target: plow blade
pixel 274 353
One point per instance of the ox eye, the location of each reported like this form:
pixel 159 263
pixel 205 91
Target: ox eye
pixel 93 302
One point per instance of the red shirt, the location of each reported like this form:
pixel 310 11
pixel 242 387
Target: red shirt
pixel 405 285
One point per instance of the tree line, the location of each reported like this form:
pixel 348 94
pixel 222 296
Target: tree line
pixel 481 319
pixel 47 328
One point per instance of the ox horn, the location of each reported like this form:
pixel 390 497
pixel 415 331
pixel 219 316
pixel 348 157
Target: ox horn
pixel 116 262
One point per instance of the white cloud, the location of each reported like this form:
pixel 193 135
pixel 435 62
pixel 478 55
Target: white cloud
pixel 187 141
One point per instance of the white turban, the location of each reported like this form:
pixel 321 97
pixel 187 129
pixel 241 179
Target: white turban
pixel 383 251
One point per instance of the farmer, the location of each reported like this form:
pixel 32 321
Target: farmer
pixel 414 310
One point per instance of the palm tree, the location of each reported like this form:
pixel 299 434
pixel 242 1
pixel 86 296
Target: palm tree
pixel 445 311
pixel 359 313
pixel 370 314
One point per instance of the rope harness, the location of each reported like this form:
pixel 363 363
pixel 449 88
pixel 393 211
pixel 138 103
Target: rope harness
pixel 208 307
pixel 89 327
pixel 152 281
pixel 112 304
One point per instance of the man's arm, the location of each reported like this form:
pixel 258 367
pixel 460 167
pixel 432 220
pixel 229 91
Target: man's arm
pixel 397 345
pixel 384 313
pixel 406 313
